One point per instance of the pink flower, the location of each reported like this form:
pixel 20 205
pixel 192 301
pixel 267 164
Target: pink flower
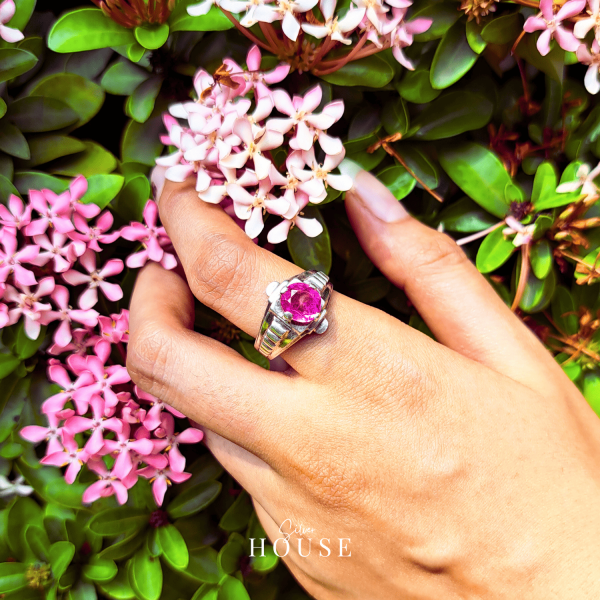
pixel 91 235
pixel 310 227
pixel 77 189
pixel 95 279
pixel 57 250
pixel 29 306
pixel 55 211
pixel 591 58
pixel 66 314
pixel 403 34
pixel 115 327
pixel 153 239
pixel 11 260
pixel 82 340
pixel 8 34
pixel 173 439
pixel 582 26
pixel 162 479
pixel 109 484
pixel 58 374
pixel 71 457
pixel 123 447
pixel 551 26
pixel 154 415
pixel 52 434
pixel 17 215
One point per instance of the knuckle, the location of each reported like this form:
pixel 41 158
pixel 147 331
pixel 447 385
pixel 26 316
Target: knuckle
pixel 439 253
pixel 221 270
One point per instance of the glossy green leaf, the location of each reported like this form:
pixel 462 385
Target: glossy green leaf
pixel 12 576
pixel 102 189
pixel 8 363
pixel 453 57
pixel 207 591
pixel 466 216
pixel 479 173
pixel 82 95
pixel 232 589
pixel 141 103
pixel 494 251
pixel 451 114
pixel 151 37
pixel 398 180
pixel 100 570
pixel 24 510
pixel 544 183
pixel 64 494
pixel 82 591
pixel 503 29
pixel 174 549
pixel 122 78
pixel 372 71
pixel 420 164
pixel 118 588
pixel 194 499
pixel 47 147
pixel 538 292
pixel 541 258
pixel 94 160
pixel 90 63
pixel 117 521
pixel 307 252
pixel 23 12
pixel 12 141
pixel 395 117
pixel 2 108
pixel 135 52
pixel 203 565
pixel 15 62
pixel 38 114
pixel 591 390
pixel 266 562
pixel 248 350
pixel 130 203
pixel 146 575
pixel 7 168
pixel 238 514
pixel 231 553
pixel 37 180
pixel 553 64
pixel 564 311
pixel 214 20
pixel 416 87
pixel 473 31
pixel 141 141
pixel 442 14
pixel 87 29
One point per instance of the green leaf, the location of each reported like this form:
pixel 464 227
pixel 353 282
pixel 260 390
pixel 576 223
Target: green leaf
pixel 174 549
pixel 151 37
pixel 232 589
pixel 494 251
pixel 451 114
pixel 24 510
pixel 12 576
pixel 94 160
pixel 443 15
pixel 265 563
pixel 64 494
pixel 591 390
pixel 87 29
pixel 12 141
pixel 307 252
pixel 8 363
pixel 398 180
pixel 2 108
pixel 207 591
pixel 419 164
pixel 503 29
pixel 372 71
pixel 231 554
pixel 82 591
pixel 538 292
pixel 477 43
pixel 24 346
pixel 23 12
pixel 135 52
pixel 100 570
pixel 479 173
pixel 194 499
pixel 15 62
pixel 453 57
pixel 248 350
pixel 123 548
pixel 38 541
pixel 38 114
pixel 118 588
pixel 130 203
pixel 82 95
pixel 141 104
pixel 203 565
pixel 541 258
pixel 544 183
pixel 102 189
pixel 214 20
pixel 36 180
pixel 118 521
pixel 238 514
pixel 141 142
pixel 122 78
pixel 553 64
pixel 47 147
pixel 415 87
pixel 146 575
pixel 395 117
pixel 564 311
pixel 204 468
pixel 466 216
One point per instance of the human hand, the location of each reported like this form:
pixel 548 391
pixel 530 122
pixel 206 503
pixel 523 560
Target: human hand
pixel 466 468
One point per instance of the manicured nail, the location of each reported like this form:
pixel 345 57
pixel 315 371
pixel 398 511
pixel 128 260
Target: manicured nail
pixel 157 179
pixel 375 196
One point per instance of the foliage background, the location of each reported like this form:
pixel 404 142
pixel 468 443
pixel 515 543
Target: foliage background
pixel 490 133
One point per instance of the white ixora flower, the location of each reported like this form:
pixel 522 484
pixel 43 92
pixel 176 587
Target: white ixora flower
pixel 585 181
pixel 334 27
pixel 14 488
pixel 523 233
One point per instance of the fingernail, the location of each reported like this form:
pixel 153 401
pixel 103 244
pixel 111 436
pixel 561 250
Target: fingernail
pixel 157 179
pixel 373 194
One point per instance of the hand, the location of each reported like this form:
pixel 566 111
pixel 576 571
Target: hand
pixel 466 468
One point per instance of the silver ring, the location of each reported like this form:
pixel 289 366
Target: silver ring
pixel 296 308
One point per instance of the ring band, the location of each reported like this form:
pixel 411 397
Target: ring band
pixel 296 308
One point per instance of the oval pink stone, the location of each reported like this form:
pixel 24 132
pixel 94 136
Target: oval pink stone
pixel 302 302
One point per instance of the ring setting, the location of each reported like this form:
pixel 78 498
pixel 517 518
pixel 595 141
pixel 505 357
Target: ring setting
pixel 296 308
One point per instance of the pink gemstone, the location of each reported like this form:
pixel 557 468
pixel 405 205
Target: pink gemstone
pixel 302 302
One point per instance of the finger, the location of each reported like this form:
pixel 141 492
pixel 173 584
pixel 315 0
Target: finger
pixel 457 303
pixel 229 273
pixel 202 378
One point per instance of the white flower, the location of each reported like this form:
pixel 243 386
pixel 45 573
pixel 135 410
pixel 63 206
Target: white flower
pixel 523 233
pixel 285 11
pixel 334 28
pixel 14 488
pixel 585 181
pixel 591 58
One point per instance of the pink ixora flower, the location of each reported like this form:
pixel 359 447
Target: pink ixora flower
pixel 58 374
pixel 153 417
pixel 13 258
pixel 123 447
pixel 334 27
pixel 108 484
pixel 28 305
pixel 57 250
pixel 172 440
pixel 51 434
pixel 161 479
pixel 54 210
pixel 403 34
pixel 92 234
pixel 116 327
pixel 8 34
pixel 551 25
pixel 95 279
pixel 71 456
pixel 17 214
pixel 66 315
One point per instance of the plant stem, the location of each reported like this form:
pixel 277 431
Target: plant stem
pixel 522 277
pixel 479 234
pixel 344 60
pixel 247 32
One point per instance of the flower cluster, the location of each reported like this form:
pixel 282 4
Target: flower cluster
pixel 227 144
pixel 7 11
pixel 381 22
pixel 57 239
